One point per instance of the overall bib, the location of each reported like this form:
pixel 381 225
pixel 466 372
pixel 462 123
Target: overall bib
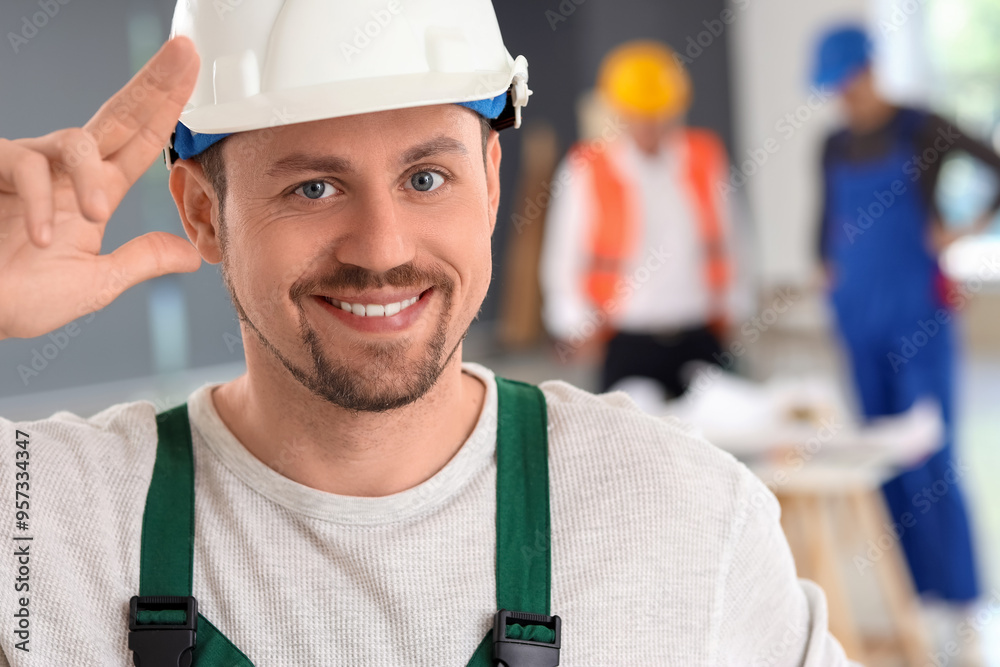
pixel 167 630
pixel 886 298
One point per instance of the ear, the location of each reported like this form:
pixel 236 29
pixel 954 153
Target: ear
pixel 493 176
pixel 198 207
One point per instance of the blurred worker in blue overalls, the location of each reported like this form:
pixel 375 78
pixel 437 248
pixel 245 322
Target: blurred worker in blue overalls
pixel 880 236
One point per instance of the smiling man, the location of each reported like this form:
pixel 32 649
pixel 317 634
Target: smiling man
pixel 360 496
pixel 357 253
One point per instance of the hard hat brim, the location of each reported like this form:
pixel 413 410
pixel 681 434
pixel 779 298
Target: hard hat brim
pixel 345 98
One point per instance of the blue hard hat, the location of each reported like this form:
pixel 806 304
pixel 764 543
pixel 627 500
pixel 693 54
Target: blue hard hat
pixel 843 52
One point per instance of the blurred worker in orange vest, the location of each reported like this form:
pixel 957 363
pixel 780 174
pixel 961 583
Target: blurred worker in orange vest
pixel 637 251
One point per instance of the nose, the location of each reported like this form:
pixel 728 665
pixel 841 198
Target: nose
pixel 375 236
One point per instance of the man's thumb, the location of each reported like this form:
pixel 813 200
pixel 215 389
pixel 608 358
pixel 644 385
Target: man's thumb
pixel 150 256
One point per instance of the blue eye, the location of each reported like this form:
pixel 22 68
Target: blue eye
pixel 426 181
pixel 315 190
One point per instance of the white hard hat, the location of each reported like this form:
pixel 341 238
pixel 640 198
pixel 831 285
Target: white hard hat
pixel 266 63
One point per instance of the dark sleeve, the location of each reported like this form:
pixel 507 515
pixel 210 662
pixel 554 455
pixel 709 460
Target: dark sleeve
pixel 822 229
pixel 940 138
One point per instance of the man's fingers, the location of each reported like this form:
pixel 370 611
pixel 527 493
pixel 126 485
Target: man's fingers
pixel 26 172
pixel 146 146
pixel 160 89
pixel 148 256
pixel 74 151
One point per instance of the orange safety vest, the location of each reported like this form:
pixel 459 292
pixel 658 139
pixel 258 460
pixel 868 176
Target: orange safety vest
pixel 614 228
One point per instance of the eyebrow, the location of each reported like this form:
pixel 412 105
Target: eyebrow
pixel 332 164
pixel 300 162
pixel 440 145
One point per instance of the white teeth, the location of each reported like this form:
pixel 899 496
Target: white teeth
pixel 373 309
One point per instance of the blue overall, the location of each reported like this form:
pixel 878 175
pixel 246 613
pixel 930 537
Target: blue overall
pixel 900 338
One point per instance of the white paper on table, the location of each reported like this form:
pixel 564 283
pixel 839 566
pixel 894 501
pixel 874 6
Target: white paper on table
pixel 751 419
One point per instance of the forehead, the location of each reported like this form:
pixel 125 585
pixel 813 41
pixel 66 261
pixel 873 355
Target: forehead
pixel 381 135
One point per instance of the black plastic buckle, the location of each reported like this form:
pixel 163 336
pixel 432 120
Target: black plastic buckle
pixel 162 644
pixel 524 652
pixel 507 117
pixel 169 154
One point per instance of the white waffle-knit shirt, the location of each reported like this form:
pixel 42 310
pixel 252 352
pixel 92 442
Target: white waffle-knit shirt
pixel 665 550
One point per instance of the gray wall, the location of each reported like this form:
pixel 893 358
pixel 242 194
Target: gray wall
pixel 87 50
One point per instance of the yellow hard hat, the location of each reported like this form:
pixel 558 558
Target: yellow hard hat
pixel 645 78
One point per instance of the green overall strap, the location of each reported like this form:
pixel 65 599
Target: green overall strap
pixel 165 565
pixel 523 562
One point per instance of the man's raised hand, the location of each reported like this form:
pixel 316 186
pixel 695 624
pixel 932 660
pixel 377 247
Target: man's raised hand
pixel 57 193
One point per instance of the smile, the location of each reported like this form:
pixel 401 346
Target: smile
pixel 372 309
pixel 388 312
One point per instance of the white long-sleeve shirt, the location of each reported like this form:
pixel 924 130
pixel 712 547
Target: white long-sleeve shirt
pixel 665 550
pixel 668 290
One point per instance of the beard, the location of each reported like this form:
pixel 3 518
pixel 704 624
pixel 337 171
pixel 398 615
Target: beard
pixel 382 376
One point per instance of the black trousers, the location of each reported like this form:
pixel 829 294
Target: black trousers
pixel 660 357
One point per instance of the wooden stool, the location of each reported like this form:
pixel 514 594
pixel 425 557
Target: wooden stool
pixel 810 521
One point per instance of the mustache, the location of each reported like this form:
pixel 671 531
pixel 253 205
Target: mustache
pixel 356 278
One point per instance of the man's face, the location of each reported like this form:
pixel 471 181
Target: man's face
pixel 357 249
pixel 861 102
pixel 650 134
